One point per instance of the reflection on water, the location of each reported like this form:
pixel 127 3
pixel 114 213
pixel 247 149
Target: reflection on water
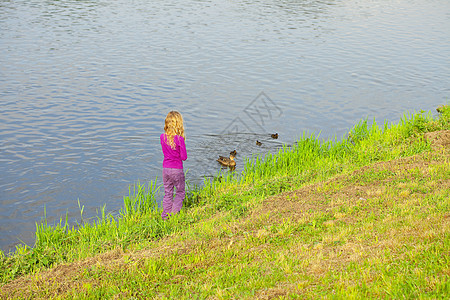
pixel 85 86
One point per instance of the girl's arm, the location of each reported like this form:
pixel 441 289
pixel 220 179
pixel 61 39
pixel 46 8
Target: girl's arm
pixel 183 153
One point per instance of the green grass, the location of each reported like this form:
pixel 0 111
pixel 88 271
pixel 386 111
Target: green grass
pixel 363 225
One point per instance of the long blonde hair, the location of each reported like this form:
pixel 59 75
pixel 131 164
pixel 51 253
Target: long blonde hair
pixel 173 126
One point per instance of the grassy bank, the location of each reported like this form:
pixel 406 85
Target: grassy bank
pixel 366 216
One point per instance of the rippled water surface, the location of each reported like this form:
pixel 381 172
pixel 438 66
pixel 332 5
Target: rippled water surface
pixel 85 86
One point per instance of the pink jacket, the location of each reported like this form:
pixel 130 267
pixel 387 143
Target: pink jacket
pixel 173 158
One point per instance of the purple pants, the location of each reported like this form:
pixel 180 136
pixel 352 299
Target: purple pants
pixel 172 178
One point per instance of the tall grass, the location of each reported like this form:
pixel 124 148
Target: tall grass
pixel 363 145
pixel 140 199
pixel 311 159
pixel 140 218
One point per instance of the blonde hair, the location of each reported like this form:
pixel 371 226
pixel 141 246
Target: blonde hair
pixel 173 126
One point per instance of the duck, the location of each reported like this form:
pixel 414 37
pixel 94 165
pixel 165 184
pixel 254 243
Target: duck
pixel 228 162
pixel 233 153
pixel 258 143
pixel 274 135
pixel 441 108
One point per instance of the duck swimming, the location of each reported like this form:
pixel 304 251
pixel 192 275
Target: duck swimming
pixel 225 161
pixel 274 135
pixel 233 153
pixel 258 143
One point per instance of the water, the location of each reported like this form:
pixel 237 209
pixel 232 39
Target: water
pixel 85 86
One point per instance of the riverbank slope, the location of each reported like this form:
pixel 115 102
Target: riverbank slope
pixel 378 229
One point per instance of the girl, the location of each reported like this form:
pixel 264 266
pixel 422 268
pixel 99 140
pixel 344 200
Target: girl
pixel 174 150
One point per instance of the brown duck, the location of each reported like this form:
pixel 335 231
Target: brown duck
pixel 274 135
pixel 258 143
pixel 225 161
pixel 233 153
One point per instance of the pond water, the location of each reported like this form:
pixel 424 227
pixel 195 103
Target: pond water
pixel 85 86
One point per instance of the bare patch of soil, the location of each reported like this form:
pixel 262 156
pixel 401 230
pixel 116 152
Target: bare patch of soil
pixel 439 139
